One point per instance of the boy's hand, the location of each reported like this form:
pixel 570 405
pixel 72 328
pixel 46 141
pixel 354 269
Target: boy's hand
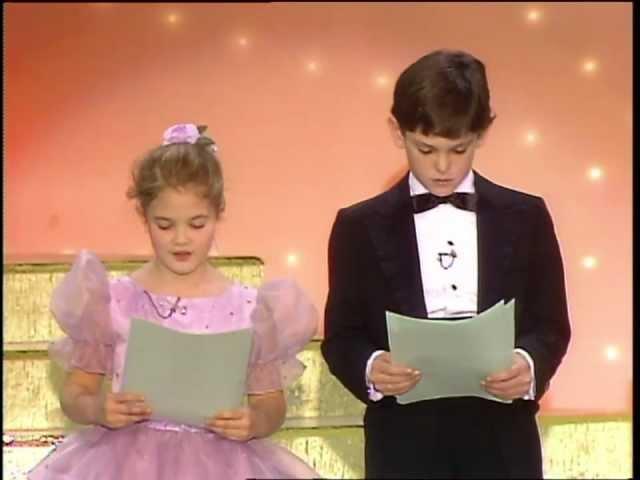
pixel 392 378
pixel 511 383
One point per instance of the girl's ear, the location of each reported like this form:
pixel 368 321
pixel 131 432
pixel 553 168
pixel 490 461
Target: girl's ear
pixel 145 222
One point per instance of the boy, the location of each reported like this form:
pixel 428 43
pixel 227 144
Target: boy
pixel 445 243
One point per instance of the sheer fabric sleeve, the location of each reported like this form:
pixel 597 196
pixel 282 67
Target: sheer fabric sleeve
pixel 81 306
pixel 284 321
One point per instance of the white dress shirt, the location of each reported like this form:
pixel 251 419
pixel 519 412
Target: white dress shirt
pixel 449 280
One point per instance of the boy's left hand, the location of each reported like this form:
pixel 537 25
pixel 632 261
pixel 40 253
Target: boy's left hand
pixel 511 383
pixel 235 424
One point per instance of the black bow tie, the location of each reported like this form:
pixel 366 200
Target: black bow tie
pixel 426 201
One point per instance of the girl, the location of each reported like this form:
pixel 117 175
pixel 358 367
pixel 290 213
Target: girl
pixel 178 188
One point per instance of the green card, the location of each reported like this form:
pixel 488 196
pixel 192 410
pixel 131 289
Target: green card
pixel 453 355
pixel 186 377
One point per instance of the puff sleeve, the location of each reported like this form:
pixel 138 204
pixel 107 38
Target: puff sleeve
pixel 81 305
pixel 284 321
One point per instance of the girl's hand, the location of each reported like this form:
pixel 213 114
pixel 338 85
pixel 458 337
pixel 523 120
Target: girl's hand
pixel 123 409
pixel 238 424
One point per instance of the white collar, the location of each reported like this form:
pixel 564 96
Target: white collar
pixel 466 185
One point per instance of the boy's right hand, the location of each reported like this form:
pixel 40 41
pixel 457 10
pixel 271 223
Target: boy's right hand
pixel 121 409
pixel 391 378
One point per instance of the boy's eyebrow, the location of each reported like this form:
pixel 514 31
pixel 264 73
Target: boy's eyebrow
pixel 464 143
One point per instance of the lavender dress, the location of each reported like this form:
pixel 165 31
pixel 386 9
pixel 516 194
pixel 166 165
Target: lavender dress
pixel 94 311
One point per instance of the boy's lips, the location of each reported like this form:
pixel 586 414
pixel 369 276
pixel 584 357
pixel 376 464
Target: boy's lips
pixel 182 256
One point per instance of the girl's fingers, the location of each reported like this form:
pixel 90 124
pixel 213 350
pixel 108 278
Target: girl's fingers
pixel 131 409
pixel 232 434
pixel 127 397
pixel 230 424
pixel 231 414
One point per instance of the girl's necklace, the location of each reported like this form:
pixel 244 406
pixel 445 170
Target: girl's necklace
pixel 172 310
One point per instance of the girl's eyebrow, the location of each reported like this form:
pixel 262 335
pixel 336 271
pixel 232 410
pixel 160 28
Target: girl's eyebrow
pixel 166 219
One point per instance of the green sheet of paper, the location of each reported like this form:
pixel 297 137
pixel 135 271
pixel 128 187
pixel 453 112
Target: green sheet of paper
pixel 453 355
pixel 186 377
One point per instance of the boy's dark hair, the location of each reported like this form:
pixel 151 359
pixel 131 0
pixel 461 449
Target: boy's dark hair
pixel 444 93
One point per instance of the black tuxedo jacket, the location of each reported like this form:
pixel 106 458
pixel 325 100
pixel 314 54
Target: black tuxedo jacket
pixel 374 266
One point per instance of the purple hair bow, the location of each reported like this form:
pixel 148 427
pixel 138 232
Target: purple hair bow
pixel 185 133
pixel 181 133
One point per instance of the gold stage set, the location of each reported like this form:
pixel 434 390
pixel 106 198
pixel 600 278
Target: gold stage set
pixel 324 423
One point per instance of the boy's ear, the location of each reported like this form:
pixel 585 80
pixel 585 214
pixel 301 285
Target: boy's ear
pixel 396 133
pixel 482 137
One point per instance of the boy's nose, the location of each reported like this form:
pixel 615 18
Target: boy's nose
pixel 442 163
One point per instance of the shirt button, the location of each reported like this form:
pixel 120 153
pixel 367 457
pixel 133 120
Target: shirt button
pixel 454 287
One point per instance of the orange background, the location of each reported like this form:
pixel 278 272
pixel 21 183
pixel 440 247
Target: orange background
pixel 297 98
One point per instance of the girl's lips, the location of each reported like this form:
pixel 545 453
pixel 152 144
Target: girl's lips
pixel 182 256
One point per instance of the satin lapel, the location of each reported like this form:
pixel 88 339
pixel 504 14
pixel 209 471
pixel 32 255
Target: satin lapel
pixel 496 229
pixel 393 234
